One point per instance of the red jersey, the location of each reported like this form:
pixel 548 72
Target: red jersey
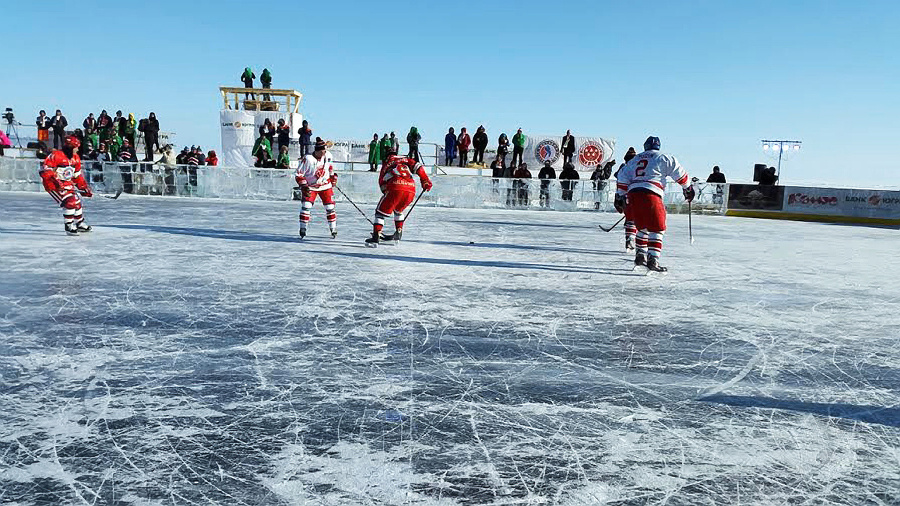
pixel 397 171
pixel 60 173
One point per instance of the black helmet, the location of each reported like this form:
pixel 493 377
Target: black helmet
pixel 651 143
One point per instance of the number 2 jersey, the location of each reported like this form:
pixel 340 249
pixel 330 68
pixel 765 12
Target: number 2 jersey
pixel 396 174
pixel 649 170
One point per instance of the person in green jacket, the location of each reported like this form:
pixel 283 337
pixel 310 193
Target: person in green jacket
pixel 518 147
pixel 266 80
pixel 284 159
pixel 130 129
pixel 374 153
pixel 262 150
pixel 385 146
pixel 413 138
pixel 247 78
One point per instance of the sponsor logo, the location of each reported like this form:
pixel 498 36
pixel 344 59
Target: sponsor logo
pixel 236 124
pixel 547 151
pixel 814 200
pixel 874 200
pixel 590 154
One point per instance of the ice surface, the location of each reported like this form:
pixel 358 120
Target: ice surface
pixel 194 351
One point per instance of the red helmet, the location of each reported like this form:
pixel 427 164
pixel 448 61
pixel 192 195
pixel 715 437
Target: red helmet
pixel 72 142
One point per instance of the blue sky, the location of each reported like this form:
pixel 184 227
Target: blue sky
pixel 711 78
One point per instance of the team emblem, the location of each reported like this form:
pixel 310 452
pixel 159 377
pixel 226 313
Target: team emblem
pixel 547 151
pixel 65 173
pixel 590 154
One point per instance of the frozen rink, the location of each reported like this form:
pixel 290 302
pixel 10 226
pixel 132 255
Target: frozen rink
pixel 195 351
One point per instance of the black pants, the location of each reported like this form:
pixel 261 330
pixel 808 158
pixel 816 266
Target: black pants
pixel 266 96
pixel 517 155
pixel 567 158
pixel 304 149
pixel 59 139
pixel 150 141
pixel 169 180
pixel 479 155
pixel 448 159
pixel 414 153
pixel 545 194
pixel 463 157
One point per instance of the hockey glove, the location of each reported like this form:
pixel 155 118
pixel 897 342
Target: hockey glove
pixel 333 179
pixel 426 185
pixel 689 193
pixel 87 192
pixel 619 203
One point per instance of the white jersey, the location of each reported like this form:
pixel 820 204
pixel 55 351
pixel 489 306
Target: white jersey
pixel 649 170
pixel 316 173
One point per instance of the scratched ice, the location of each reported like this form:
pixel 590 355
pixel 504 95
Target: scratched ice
pixel 195 352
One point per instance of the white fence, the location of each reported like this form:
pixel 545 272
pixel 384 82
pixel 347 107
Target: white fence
pixel 468 191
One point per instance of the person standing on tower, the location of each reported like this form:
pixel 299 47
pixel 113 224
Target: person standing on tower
pixel 247 78
pixel 398 190
pixel 643 181
pixel 316 177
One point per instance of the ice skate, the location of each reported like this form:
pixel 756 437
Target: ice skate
pixel 653 265
pixel 302 233
pixel 640 259
pixel 372 242
pixel 71 229
pixel 334 234
pixel 629 244
pixel 83 227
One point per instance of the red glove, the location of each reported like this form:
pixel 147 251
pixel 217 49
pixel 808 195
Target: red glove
pixel 426 185
pixel 689 193
pixel 333 179
pixel 301 181
pixel 86 191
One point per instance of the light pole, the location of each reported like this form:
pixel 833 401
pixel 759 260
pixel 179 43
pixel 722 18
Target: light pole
pixel 780 146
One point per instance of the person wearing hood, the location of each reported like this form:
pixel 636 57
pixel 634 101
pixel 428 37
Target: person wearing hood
pixel 4 142
pixel 150 128
pixel 374 153
pixel 266 80
pixel 129 128
pixel 546 173
pixel 212 160
pixel 305 135
pixel 413 138
pixel 567 179
pixel 522 181
pixel 283 132
pixel 384 146
pixel 262 150
pixel 479 142
pixel 502 147
pixel 247 78
pixel 463 142
pixel 449 147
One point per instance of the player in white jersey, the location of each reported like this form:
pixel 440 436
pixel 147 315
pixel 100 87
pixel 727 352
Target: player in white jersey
pixel 316 176
pixel 642 184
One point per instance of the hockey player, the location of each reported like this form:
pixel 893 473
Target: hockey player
pixel 316 177
pixel 643 180
pixel 399 189
pixel 61 176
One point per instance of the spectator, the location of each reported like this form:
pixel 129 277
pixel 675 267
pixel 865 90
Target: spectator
pixel 413 138
pixel 463 142
pixel 266 80
pixel 262 150
pixel 4 142
pixel 247 78
pixel 545 175
pixel 716 176
pixel 126 152
pixel 479 142
pixel 130 129
pixel 395 143
pixel 718 179
pixel 126 155
pixel 567 179
pixel 212 159
pixel 508 173
pixel 522 182
pixel 284 134
pixel 518 147
pixel 169 161
pixel 598 178
pixel 449 147
pixel 181 158
pixel 104 126
pixel 768 177
pixel 567 147
pixel 113 143
pixel 284 160
pixel 151 135
pixel 385 146
pixel 502 147
pixel 201 158
pixel 58 123
pixel 119 124
pixel 192 161
pixel 89 124
pixel 43 126
pixel 305 134
pixel 497 168
pixel 374 153
pixel 268 129
pixel 631 153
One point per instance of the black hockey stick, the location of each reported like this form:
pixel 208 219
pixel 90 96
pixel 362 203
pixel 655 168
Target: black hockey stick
pixel 413 206
pixel 114 197
pixel 354 205
pixel 612 227
pixel 690 227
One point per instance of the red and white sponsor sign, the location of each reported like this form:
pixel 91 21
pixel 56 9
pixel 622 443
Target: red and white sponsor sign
pixel 842 202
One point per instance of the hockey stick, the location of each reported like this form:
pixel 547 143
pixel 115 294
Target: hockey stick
pixel 690 227
pixel 354 205
pixel 612 227
pixel 413 206
pixel 119 192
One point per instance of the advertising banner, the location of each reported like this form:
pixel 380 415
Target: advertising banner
pixel 842 202
pixel 589 152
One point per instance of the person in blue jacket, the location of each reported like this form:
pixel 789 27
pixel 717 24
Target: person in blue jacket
pixel 449 147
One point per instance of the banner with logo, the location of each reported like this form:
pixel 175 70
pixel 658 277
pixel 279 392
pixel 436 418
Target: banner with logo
pixel 842 202
pixel 238 136
pixel 589 152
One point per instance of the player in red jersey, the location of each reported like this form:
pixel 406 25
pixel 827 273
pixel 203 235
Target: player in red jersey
pixel 399 189
pixel 61 176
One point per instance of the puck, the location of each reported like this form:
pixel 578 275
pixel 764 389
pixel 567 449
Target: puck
pixel 471 242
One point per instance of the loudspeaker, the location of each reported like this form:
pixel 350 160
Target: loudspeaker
pixel 757 171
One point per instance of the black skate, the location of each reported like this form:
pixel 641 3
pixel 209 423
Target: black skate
pixel 372 242
pixel 83 227
pixel 640 259
pixel 395 237
pixel 629 244
pixel 653 265
pixel 71 229
pixel 302 233
pixel 333 234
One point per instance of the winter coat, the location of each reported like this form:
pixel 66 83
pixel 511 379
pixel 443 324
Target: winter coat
pixel 212 161
pixel 59 124
pixel 385 145
pixel 305 133
pixel 503 145
pixel 284 161
pixel 568 145
pixel 266 79
pixel 450 145
pixel 716 178
pixel 496 169
pixel 284 135
pixel 43 123
pixel 247 77
pixel 90 125
pixel 463 141
pixel 374 151
pixel 547 172
pixel 168 160
pixel 151 129
pixel 262 144
pixel 519 140
pixel 480 140
pixel 4 141
pixel 129 125
pixel 413 138
pixel 508 171
pixel 522 173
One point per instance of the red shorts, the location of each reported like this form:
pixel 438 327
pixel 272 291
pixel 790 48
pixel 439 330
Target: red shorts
pixel 327 196
pixel 648 211
pixel 395 201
